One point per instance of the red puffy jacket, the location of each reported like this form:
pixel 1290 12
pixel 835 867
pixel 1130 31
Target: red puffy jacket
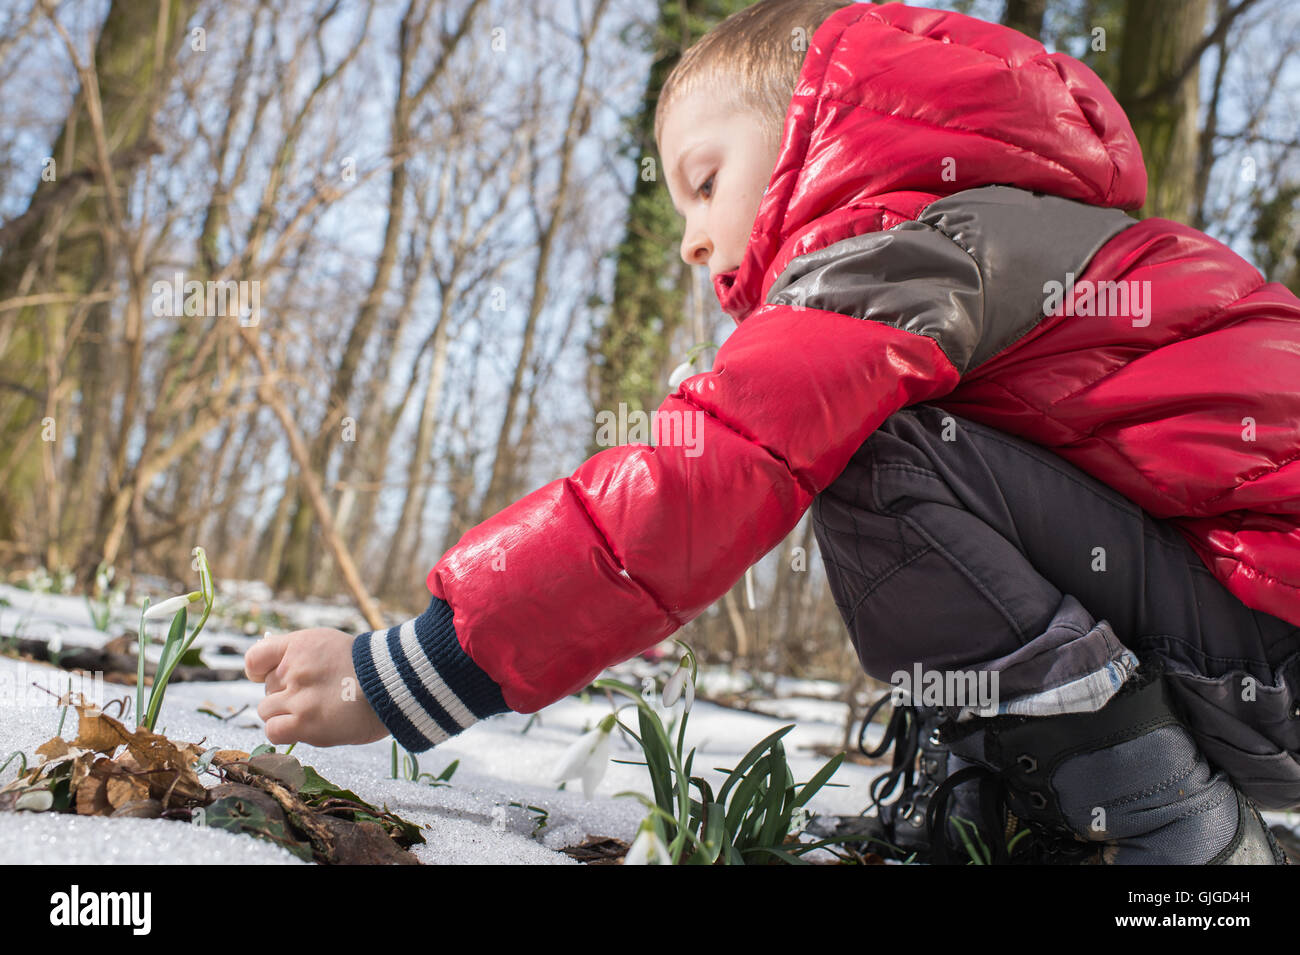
pixel 1193 414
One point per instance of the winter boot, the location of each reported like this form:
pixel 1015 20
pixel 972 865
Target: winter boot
pixel 1124 785
pixel 898 828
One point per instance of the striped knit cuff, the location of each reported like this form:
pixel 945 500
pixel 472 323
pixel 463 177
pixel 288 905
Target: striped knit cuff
pixel 420 681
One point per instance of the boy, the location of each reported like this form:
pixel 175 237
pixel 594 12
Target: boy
pixel 1110 526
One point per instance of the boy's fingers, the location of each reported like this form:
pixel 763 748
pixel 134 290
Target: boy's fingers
pixel 264 656
pixel 273 705
pixel 283 729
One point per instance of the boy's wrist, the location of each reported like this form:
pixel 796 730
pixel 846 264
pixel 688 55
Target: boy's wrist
pixel 420 682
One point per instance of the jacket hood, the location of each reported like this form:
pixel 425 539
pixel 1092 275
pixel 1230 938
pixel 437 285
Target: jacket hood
pixel 897 106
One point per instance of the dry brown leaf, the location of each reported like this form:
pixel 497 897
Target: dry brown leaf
pixel 52 749
pixel 97 732
pixel 189 752
pixel 123 789
pixel 92 794
pixel 123 644
pixel 167 769
pixel 141 809
pixel 81 769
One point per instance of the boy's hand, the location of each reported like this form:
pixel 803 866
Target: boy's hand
pixel 312 691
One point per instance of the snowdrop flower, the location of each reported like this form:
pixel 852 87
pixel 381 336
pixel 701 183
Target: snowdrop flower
pixel 680 679
pixel 647 848
pixel 55 643
pixel 169 606
pixel 588 757
pixel 799 820
pixel 680 374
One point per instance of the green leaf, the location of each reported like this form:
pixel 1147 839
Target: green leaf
pixel 316 788
pixel 278 766
pixel 971 850
pixel 774 825
pixel 750 758
pixel 191 658
pixel 819 779
pixel 657 760
pixel 237 815
pixel 745 794
pixel 22 759
pixel 202 763
pixel 172 649
pixel 1015 839
pixel 780 854
pixel 175 637
pixel 715 832
pixel 61 789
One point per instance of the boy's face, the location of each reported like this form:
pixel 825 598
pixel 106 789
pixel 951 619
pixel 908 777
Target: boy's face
pixel 717 162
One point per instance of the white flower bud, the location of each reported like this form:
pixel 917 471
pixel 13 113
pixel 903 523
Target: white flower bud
pixel 647 848
pixel 673 688
pixel 680 374
pixel 169 607
pixel 587 758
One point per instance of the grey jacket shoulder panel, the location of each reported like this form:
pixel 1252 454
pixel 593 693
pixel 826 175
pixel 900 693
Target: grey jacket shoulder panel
pixel 969 272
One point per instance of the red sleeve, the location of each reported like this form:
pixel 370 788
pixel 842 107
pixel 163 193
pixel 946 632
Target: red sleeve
pixel 592 569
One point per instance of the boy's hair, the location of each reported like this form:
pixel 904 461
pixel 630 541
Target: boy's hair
pixel 752 58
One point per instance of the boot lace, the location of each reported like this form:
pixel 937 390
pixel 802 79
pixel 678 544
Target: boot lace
pixel 903 731
pixel 1047 845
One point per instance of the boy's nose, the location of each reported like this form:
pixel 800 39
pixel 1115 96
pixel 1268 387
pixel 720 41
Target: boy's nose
pixel 696 249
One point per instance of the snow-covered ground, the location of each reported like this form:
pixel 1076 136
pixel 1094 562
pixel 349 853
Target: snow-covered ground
pixel 503 760
pixel 470 821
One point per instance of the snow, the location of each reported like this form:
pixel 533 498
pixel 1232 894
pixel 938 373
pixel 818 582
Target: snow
pixel 503 759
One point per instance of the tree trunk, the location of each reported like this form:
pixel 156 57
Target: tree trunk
pixel 1158 90
pixel 1025 16
pixel 131 69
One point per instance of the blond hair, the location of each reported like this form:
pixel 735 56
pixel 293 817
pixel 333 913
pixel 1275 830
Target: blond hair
pixel 751 59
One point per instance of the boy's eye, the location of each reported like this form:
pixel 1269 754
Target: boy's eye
pixel 707 184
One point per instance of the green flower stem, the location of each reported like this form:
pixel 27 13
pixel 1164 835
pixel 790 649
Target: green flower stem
pixel 208 593
pixel 139 672
pixel 64 715
pixel 656 811
pixel 160 680
pixel 683 790
pixel 693 352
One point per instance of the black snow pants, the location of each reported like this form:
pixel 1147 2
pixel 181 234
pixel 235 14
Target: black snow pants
pixel 950 545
